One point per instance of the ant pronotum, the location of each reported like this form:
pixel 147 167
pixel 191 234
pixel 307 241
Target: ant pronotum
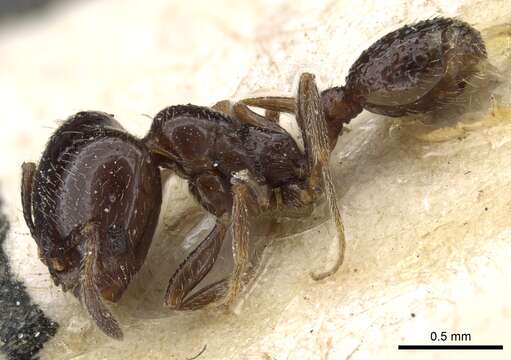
pixel 93 201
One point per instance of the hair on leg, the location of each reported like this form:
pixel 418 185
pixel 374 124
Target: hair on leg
pixel 194 268
pixel 274 103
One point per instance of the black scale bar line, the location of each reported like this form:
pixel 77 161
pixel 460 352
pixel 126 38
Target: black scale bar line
pixel 450 347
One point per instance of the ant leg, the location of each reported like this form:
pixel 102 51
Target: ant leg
pixel 247 116
pixel 199 263
pixel 210 294
pixel 272 115
pixel 243 112
pixel 310 117
pixel 296 200
pixel 216 197
pixel 223 106
pixel 240 238
pixel 273 103
pixel 89 292
pixel 214 194
pixel 27 178
pixel 194 269
pixel 226 291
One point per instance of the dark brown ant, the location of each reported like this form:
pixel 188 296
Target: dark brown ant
pixel 93 201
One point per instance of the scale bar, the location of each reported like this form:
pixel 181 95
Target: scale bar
pixel 450 347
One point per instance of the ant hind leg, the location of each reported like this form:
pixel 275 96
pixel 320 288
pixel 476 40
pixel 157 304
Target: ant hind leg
pixel 310 117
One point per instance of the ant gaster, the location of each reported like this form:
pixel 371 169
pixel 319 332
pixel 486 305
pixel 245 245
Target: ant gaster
pixel 93 201
pixel 415 69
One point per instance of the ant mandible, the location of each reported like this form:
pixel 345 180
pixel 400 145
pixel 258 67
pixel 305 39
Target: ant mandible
pixel 93 201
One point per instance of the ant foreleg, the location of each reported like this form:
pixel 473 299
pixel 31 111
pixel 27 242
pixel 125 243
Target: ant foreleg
pixel 194 269
pixel 211 293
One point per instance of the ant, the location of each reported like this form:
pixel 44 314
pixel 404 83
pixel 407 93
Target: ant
pixel 93 201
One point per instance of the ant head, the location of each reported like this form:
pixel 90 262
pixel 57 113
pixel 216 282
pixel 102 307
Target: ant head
pixel 96 198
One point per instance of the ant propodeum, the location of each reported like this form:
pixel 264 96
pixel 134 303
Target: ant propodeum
pixel 93 201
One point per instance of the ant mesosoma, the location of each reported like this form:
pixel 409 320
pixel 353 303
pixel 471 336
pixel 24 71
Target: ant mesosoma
pixel 93 201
